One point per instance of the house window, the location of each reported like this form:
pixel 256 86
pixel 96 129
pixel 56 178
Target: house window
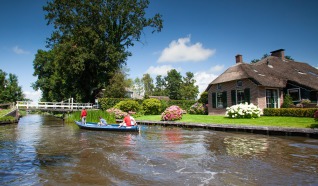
pixel 219 99
pixel 294 94
pixel 271 98
pixel 240 96
pixel 239 83
pixel 219 86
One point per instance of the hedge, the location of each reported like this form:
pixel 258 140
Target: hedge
pixel 294 112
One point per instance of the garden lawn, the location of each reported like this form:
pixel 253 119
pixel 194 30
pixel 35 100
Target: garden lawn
pixel 273 121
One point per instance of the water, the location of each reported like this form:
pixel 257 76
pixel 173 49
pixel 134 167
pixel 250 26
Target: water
pixel 40 150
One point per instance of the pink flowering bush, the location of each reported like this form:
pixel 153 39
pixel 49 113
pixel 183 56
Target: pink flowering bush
pixel 117 112
pixel 316 115
pixel 172 113
pixel 198 108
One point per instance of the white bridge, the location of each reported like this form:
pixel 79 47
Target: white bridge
pixel 53 106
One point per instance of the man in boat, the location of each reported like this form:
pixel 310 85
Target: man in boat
pixel 126 122
pixel 83 116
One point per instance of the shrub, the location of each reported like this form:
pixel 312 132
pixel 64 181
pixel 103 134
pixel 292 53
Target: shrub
pixel 151 106
pixel 288 101
pixel 243 111
pixel 198 108
pixel 128 105
pixel 295 112
pixel 316 115
pixel 172 113
pixel 117 113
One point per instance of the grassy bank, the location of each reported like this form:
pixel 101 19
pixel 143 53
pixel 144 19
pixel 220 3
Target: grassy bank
pixel 273 121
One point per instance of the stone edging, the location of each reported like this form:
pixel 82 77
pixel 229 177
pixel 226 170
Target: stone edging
pixel 280 131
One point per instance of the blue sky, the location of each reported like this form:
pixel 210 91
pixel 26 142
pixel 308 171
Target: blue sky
pixel 201 36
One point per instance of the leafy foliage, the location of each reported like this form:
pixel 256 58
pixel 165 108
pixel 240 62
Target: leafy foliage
pixel 174 81
pixel 128 105
pixel 151 106
pixel 172 113
pixel 89 45
pixel 294 112
pixel 198 108
pixel 288 101
pixel 203 98
pixel 316 115
pixel 117 113
pixel 92 116
pixel 10 91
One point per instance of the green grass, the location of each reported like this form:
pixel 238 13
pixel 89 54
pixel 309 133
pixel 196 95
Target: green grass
pixel 92 116
pixel 273 121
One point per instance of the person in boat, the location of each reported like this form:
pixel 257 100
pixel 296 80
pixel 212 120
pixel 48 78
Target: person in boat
pixel 133 121
pixel 102 121
pixel 83 115
pixel 126 122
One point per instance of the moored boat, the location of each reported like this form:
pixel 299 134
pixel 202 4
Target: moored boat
pixel 109 127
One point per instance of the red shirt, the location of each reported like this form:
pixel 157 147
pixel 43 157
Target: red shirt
pixel 83 113
pixel 127 121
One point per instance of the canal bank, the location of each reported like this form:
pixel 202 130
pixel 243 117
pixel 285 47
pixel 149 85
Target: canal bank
pixel 275 131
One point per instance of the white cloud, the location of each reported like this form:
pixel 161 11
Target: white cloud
pixel 160 70
pixel 182 51
pixel 18 50
pixel 204 78
pixel 217 68
pixel 35 96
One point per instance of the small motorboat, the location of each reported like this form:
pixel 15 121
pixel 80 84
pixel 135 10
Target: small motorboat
pixel 109 127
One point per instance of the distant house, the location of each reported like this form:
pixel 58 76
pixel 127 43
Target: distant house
pixel 263 83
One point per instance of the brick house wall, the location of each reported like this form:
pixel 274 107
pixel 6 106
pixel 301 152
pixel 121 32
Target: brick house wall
pixel 257 95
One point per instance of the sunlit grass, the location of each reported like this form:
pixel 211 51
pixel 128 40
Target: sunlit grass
pixel 273 121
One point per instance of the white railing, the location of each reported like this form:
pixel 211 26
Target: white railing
pixel 53 105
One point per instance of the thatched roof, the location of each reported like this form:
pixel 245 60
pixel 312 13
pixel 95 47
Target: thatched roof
pixel 272 72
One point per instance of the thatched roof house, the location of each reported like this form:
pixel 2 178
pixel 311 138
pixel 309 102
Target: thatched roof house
pixel 263 83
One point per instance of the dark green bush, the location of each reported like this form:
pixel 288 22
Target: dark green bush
pixel 152 106
pixel 288 102
pixel 295 112
pixel 106 103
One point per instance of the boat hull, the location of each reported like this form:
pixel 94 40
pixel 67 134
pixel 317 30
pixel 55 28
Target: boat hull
pixel 109 127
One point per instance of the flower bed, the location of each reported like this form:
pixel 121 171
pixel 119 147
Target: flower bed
pixel 243 111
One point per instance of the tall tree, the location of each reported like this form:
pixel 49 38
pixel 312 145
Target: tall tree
pixel 138 87
pixel 148 84
pixel 10 91
pixel 174 82
pixel 90 44
pixel 160 89
pixel 189 91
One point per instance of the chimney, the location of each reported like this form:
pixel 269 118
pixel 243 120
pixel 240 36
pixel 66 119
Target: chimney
pixel 239 58
pixel 279 53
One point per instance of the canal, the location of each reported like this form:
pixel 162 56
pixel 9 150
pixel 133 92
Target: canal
pixel 41 150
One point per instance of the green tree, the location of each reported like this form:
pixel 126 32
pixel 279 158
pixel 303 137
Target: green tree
pixel 118 85
pixel 148 84
pixel 138 86
pixel 10 91
pixel 189 91
pixel 174 82
pixel 90 43
pixel 203 98
pixel 160 89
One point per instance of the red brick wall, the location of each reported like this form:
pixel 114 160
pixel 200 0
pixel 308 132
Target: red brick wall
pixel 257 96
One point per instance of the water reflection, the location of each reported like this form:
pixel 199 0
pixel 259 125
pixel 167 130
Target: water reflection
pixel 52 153
pixel 245 146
